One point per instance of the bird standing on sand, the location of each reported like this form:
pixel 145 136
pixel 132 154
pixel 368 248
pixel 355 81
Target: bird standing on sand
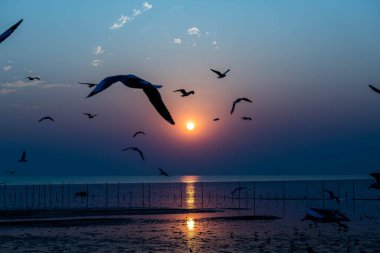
pixel 23 157
pixel 184 92
pixel 137 150
pixel 32 78
pixel 332 195
pixel 46 118
pixel 237 101
pixel 137 133
pixel 246 118
pixel 220 75
pixel 90 85
pixel 132 81
pixel 163 173
pixel 8 32
pixel 375 185
pixel 89 115
pixel 374 89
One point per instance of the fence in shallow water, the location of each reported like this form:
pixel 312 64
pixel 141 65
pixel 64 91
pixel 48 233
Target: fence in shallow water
pixel 258 196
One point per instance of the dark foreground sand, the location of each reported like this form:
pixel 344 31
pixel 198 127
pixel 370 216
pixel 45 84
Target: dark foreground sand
pixel 179 230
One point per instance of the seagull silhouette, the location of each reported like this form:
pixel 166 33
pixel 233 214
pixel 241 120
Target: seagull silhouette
pixel 137 133
pixel 8 32
pixel 246 118
pixel 237 101
pixel 89 115
pixel 46 118
pixel 374 88
pixel 31 78
pixel 216 119
pixel 220 75
pixel 238 189
pixel 375 185
pixel 137 150
pixel 90 85
pixel 184 92
pixel 133 81
pixel 23 157
pixel 163 173
pixel 332 195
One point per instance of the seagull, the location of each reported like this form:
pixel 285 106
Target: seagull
pixel 324 215
pixel 220 75
pixel 137 133
pixel 133 81
pixel 163 173
pixel 216 119
pixel 237 101
pixel 246 118
pixel 332 195
pixel 238 189
pixel 31 78
pixel 90 85
pixel 136 149
pixel 8 32
pixel 374 89
pixel 23 157
pixel 46 118
pixel 184 92
pixel 12 172
pixel 375 185
pixel 89 115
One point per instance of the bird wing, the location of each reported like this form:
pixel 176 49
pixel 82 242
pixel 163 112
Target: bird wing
pixel 126 149
pixel 374 88
pixel 180 90
pixel 156 100
pixel 89 115
pixel 226 71
pixel 140 152
pixel 139 132
pixel 233 107
pixel 376 176
pixel 8 32
pixel 104 84
pixel 216 72
pixel 50 118
pixel 246 99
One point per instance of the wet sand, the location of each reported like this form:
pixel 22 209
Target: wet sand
pixel 180 230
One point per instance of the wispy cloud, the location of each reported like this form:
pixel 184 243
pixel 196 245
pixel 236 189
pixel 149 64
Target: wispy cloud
pixel 98 50
pixel 147 6
pixel 48 86
pixel 124 19
pixel 96 62
pixel 177 41
pixel 7 91
pixel 6 68
pixel 194 31
pixel 21 84
pixel 214 42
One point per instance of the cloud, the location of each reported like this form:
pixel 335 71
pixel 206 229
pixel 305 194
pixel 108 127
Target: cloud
pixel 98 50
pixel 177 41
pixel 6 68
pixel 7 91
pixel 121 22
pixel 48 86
pixel 193 31
pixel 96 62
pixel 214 42
pixel 136 12
pixel 147 6
pixel 21 84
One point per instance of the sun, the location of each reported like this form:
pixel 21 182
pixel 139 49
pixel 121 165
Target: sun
pixel 190 126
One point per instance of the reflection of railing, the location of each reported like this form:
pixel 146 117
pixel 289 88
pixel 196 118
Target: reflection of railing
pixel 170 195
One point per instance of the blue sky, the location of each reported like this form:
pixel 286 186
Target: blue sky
pixel 306 65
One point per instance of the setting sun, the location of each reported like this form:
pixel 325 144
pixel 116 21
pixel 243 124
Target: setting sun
pixel 190 126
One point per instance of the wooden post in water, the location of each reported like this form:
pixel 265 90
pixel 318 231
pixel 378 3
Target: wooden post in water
pixel 307 193
pixel 180 184
pixel 338 185
pixel 87 196
pixel 32 196
pixel 4 193
pixel 143 195
pixel 118 195
pixel 202 192
pixel 149 194
pixel 353 196
pixel 254 198
pixel 346 199
pixel 39 195
pixel 323 194
pixel 239 194
pixel 284 196
pixel 62 199
pixel 50 195
pixel 44 196
pixel 106 195
pixel 26 196
pixel 69 199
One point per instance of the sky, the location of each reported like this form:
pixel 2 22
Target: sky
pixel 305 64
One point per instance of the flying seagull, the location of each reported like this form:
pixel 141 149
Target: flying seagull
pixel 137 133
pixel 216 119
pixel 246 118
pixel 46 118
pixel 375 185
pixel 374 89
pixel 332 195
pixel 238 189
pixel 132 81
pixel 90 85
pixel 184 92
pixel 137 150
pixel 220 75
pixel 163 173
pixel 23 157
pixel 31 78
pixel 89 115
pixel 8 32
pixel 237 101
